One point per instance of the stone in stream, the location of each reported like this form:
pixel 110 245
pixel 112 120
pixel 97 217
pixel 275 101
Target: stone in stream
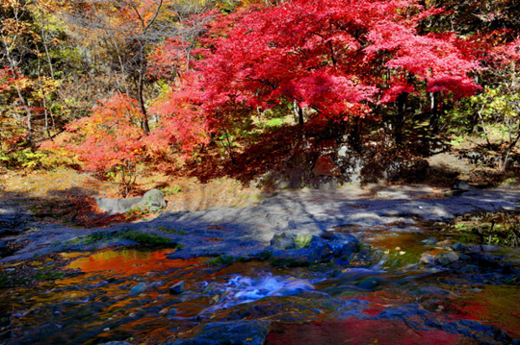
pixel 157 284
pixel 289 249
pixel 284 241
pixel 485 248
pixel 439 258
pixel 136 289
pixel 429 241
pixel 446 258
pixel 250 332
pixel 461 186
pixel 490 248
pixel 427 258
pixel 177 288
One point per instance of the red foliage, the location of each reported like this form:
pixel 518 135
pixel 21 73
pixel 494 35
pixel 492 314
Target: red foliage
pixel 108 138
pixel 182 120
pixel 336 57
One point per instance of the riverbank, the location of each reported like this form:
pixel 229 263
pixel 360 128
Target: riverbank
pixel 244 231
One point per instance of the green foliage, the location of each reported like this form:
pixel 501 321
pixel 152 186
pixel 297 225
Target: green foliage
pixel 501 229
pixel 498 104
pixel 25 159
pixel 274 122
pixel 170 190
pixel 457 141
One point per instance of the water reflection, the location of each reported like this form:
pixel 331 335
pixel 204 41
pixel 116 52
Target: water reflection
pixel 97 306
pixel 130 261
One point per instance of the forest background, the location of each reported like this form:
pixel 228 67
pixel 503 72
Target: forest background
pixel 258 90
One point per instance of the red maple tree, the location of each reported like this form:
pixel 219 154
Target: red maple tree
pixel 337 57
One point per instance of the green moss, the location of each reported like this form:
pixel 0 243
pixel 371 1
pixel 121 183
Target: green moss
pixel 171 230
pixel 47 275
pixel 141 237
pixel 303 240
pixel 264 256
pixel 136 236
pixel 170 190
pixel 222 259
pixel 95 237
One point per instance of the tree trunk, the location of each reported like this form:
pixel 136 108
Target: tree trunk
pixel 355 134
pixel 298 112
pixel 435 117
pixel 400 118
pixel 140 86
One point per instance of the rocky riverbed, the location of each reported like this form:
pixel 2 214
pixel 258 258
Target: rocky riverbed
pixel 309 266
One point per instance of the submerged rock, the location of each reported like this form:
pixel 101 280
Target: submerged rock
pixel 420 319
pixel 177 288
pixel 429 241
pixel 442 258
pixel 250 332
pixel 138 288
pixel 446 258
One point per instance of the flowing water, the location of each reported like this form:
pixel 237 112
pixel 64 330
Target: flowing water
pixel 394 299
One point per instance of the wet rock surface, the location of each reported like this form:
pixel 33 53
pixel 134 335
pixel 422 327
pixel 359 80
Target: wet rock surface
pixel 237 333
pixel 13 220
pixel 308 266
pixel 248 231
pixel 289 249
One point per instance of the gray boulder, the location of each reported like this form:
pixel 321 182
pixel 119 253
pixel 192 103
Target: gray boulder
pixel 460 187
pixel 153 200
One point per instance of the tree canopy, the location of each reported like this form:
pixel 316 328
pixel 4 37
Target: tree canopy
pixel 136 81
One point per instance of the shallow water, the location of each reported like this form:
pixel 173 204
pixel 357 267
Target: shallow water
pixel 124 295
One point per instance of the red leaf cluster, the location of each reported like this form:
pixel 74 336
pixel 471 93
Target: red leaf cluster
pixel 335 56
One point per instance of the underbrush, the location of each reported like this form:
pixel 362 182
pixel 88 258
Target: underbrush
pixel 501 228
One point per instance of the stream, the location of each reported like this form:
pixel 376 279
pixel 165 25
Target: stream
pixel 402 288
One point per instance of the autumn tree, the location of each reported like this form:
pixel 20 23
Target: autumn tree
pixel 124 33
pixel 30 39
pixel 338 59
